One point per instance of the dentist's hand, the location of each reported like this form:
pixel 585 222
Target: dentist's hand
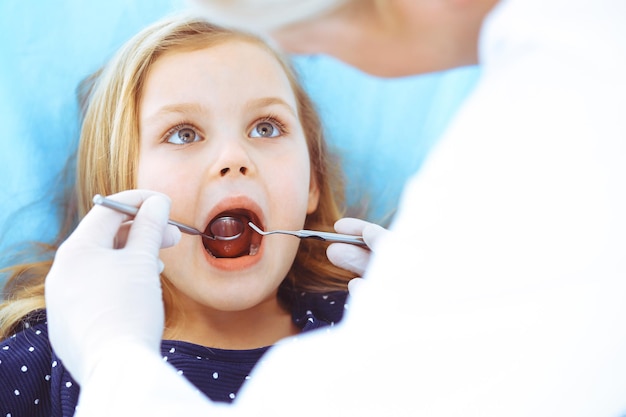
pixel 352 257
pixel 103 289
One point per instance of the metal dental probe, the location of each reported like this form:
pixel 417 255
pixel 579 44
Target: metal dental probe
pixel 132 211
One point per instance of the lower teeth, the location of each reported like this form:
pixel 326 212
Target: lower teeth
pixel 253 250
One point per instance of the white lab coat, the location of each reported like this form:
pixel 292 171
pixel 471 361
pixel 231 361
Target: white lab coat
pixel 502 289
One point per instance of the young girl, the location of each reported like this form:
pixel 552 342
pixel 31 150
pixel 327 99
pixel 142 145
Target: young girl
pixel 216 120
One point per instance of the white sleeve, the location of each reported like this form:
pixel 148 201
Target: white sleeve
pixel 508 260
pixel 135 381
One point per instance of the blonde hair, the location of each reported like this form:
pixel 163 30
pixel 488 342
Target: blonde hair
pixel 109 148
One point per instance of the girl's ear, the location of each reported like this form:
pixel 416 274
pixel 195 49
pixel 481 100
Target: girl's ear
pixel 314 196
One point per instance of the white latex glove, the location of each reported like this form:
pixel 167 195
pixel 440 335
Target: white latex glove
pixel 352 257
pixel 100 295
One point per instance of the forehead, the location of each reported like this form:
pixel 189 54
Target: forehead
pixel 230 69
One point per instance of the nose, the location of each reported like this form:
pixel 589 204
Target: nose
pixel 234 159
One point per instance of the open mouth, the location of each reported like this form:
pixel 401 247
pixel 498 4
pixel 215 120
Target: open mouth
pixel 233 237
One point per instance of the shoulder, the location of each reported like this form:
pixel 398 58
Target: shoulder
pixel 25 361
pixel 29 344
pixel 313 310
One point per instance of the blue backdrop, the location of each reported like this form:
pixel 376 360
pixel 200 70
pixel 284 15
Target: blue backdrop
pixel 383 127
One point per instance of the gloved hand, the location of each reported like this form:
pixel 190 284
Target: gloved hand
pixel 352 257
pixel 103 289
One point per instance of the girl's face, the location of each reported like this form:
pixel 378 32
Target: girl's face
pixel 220 134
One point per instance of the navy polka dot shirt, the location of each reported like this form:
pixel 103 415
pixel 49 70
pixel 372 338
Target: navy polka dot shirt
pixel 33 381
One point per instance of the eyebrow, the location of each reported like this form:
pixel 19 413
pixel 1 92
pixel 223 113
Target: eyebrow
pixel 178 108
pixel 271 101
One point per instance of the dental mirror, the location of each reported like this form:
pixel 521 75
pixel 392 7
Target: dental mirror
pixel 226 228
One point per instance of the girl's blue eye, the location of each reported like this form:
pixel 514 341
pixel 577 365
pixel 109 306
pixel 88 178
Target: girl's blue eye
pixel 265 130
pixel 183 136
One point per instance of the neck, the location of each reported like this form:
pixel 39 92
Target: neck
pixel 406 37
pixel 259 326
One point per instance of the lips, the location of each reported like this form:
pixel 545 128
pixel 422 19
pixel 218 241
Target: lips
pixel 246 244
